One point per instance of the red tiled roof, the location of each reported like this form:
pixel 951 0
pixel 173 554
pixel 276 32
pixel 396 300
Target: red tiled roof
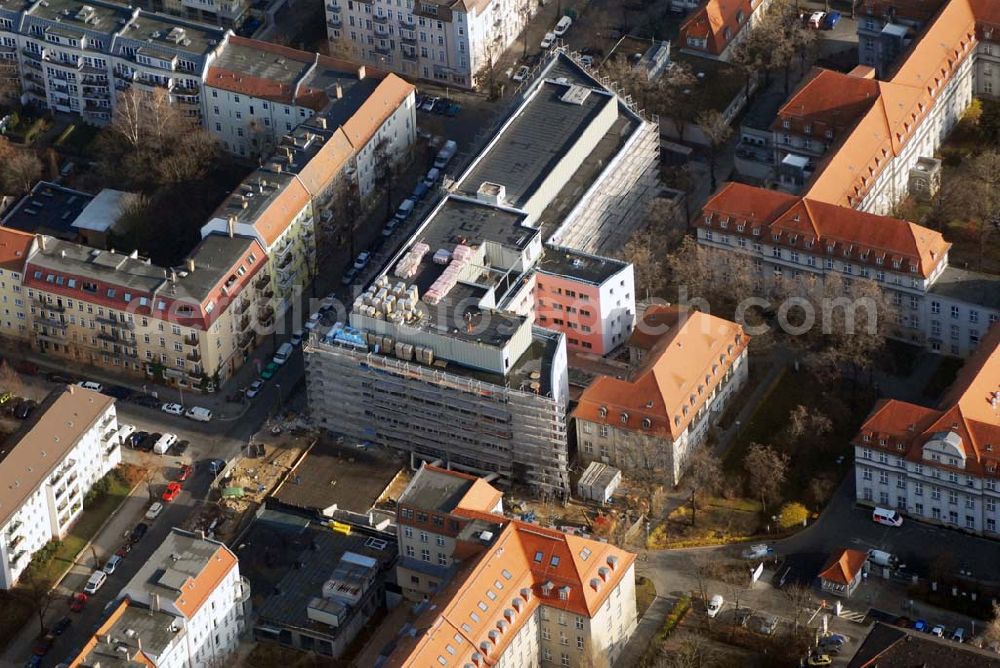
pixel 680 372
pixel 844 566
pixel 711 22
pixel 826 101
pixel 14 248
pixel 967 409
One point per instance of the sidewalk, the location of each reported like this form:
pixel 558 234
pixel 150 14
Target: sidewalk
pixel 645 630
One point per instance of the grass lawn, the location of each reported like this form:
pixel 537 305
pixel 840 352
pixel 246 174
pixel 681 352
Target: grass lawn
pixel 720 83
pixel 645 592
pixel 83 530
pixel 78 141
pixel 719 521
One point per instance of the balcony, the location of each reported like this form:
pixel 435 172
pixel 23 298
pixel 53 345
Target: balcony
pixel 12 529
pixel 265 295
pixel 244 322
pixel 191 340
pixel 333 8
pixel 266 316
pixel 17 540
pixel 334 22
pixel 243 590
pixel 384 50
pixel 152 84
pixel 193 356
pixel 284 261
pixel 242 307
pixel 51 306
pixel 263 281
pixel 246 339
pixel 380 18
pixel 407 24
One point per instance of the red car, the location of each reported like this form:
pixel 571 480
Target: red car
pixel 173 489
pixel 77 602
pixel 124 550
pixel 186 472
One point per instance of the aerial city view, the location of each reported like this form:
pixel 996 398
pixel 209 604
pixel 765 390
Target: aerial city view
pixel 499 333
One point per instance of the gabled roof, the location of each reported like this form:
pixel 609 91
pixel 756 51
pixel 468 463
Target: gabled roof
pixel 749 203
pixel 970 409
pixel 711 21
pixel 664 395
pixel 14 248
pixel 486 603
pixel 844 566
pixel 366 121
pixel 896 647
pixel 827 100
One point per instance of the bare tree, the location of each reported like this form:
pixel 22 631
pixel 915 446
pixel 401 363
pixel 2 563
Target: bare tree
pixel 991 633
pixel 799 596
pixel 20 168
pixel 694 651
pixel 767 469
pixel 804 421
pixel 10 380
pixel 979 193
pixel 703 477
pixel 39 593
pixel 386 170
pixel 717 131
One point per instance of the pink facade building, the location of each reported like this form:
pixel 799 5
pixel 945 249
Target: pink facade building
pixel 591 299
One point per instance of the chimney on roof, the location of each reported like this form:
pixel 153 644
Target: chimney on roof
pixel 361 73
pixel 338 91
pixel 190 264
pixel 41 241
pixel 231 225
pixel 154 602
pixel 173 276
pixel 321 120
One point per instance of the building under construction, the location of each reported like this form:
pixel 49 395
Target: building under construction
pixel 441 357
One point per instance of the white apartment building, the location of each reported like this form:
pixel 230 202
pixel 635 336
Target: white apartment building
pixel 75 57
pixel 686 367
pixel 533 596
pixel 448 41
pixel 788 238
pixel 938 465
pixel 186 607
pixel 15 247
pixel 69 443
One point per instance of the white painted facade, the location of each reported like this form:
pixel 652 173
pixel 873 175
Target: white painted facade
pixel 247 125
pixel 630 449
pixel 932 490
pixel 52 508
pixel 425 39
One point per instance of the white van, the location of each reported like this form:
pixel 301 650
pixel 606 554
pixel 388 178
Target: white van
pixel 124 432
pixel 162 445
pixel 199 414
pixel 284 352
pixel 405 209
pixel 96 581
pixel 887 517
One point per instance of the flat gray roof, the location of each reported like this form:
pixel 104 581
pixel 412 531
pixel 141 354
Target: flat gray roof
pixel 435 491
pixel 582 266
pixel 538 138
pixel 49 209
pixel 174 34
pixel 101 16
pixel 968 286
pixel 289 565
pixel 466 221
pixel 104 266
pixel 137 627
pixel 214 258
pixel 180 556
pixel 263 64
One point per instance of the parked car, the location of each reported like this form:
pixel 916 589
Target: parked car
pixel 172 409
pixel 390 227
pixel 768 625
pixel 124 549
pixel 563 25
pixel 5 398
pixel 938 631
pixel 150 441
pixel 548 41
pixel 154 510
pixel 362 260
pixel 26 367
pixel 199 414
pixel 186 472
pixel 921 625
pixel 429 103
pixel 173 489
pixel 139 531
pixel 147 400
pixel 349 276
pixel 759 551
pixel 180 447
pixel 522 73
pixel 268 372
pixel 60 627
pixel 77 602
pixel 819 660
pixel 587 61
pixel 95 582
pixel 715 605
pixel 112 564
pixel 830 20
pixel 254 389
pixel 216 465
pixel 55 377
pixel 43 646
pixel 296 339
pixel 90 385
pixel 816 20
pixel 432 176
pixel 958 635
pixel 454 109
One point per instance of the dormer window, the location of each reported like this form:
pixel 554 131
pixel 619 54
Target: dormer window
pixel 776 236
pixel 808 129
pixel 756 231
pixel 829 134
pixel 867 437
pixel 602 411
pixel 624 418
pixel 786 123
pixel 646 423
pixel 740 226
pixel 708 219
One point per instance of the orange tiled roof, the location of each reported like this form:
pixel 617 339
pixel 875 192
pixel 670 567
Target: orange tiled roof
pixel 14 248
pixel 805 223
pixel 987 12
pixel 274 219
pixel 844 566
pixel 966 408
pixel 318 172
pixel 826 101
pixel 711 21
pixel 196 591
pixel 679 373
pixel 526 566
pixel 370 116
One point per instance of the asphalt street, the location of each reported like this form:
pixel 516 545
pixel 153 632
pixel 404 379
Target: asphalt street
pixel 216 439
